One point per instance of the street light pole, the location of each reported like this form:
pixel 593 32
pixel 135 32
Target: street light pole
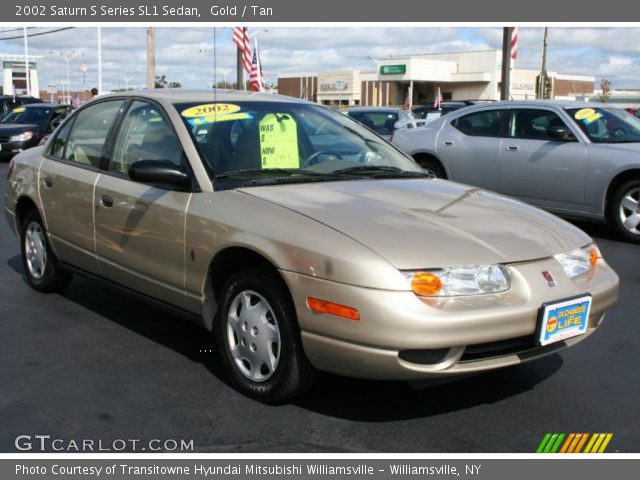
pixel 67 58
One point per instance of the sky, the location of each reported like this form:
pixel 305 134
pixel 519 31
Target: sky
pixel 185 54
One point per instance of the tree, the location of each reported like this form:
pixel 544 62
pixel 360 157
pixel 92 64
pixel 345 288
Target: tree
pixel 161 82
pixel 605 90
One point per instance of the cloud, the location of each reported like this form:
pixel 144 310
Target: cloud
pixel 602 52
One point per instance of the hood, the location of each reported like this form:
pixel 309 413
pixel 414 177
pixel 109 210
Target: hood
pixel 15 128
pixel 429 223
pixel 618 147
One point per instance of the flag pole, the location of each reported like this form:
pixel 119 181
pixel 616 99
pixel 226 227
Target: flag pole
pixel 506 63
pixel 240 69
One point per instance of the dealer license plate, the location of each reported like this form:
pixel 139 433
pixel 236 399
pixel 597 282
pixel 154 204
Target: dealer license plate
pixel 564 319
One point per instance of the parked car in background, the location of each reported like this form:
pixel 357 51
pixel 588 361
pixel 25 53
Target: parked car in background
pixel 429 113
pixel 9 102
pixel 633 111
pixel 24 126
pixel 234 209
pixel 575 159
pixel 384 120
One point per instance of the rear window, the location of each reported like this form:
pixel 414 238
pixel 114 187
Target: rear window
pixel 485 123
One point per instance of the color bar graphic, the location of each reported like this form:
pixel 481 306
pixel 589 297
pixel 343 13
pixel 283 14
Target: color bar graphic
pixel 574 442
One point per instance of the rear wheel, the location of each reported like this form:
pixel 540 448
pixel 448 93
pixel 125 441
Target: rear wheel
pixel 624 210
pixel 432 166
pixel 41 266
pixel 258 338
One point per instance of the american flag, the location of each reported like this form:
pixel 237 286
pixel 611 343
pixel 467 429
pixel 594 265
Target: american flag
pixel 256 77
pixel 75 101
pixel 514 43
pixel 241 39
pixel 437 103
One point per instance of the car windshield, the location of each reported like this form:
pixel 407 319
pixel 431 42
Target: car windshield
pixel 265 143
pixel 607 125
pixel 24 115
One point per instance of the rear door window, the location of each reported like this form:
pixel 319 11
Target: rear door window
pixel 486 123
pixel 84 142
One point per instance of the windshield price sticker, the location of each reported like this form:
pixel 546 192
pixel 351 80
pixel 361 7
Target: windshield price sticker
pixel 19 110
pixel 210 109
pixel 278 141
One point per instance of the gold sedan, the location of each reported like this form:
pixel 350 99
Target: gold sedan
pixel 301 240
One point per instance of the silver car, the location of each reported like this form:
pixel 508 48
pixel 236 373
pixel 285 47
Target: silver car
pixel 575 159
pixel 301 239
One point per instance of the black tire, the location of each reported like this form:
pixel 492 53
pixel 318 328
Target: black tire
pixel 293 374
pixel 617 211
pixel 432 166
pixel 51 278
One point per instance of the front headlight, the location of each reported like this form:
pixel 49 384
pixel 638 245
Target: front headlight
pixel 22 137
pixel 457 281
pixel 579 261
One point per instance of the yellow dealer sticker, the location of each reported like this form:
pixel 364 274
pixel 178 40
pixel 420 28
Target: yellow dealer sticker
pixel 210 109
pixel 279 141
pixel 19 110
pixel 584 113
pixel 61 110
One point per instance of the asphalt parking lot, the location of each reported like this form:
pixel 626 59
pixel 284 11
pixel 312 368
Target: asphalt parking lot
pixel 94 364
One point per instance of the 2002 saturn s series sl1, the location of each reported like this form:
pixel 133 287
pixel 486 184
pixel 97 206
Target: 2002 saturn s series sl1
pixel 301 239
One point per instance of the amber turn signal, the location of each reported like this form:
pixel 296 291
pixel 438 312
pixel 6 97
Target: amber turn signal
pixel 322 306
pixel 593 256
pixel 426 283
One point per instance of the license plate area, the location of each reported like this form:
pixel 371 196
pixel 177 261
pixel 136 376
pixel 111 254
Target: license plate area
pixel 563 319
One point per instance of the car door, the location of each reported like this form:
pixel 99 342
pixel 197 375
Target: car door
pixel 469 146
pixel 539 169
pixel 140 227
pixel 67 180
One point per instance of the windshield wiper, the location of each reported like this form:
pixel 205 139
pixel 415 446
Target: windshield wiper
pixel 378 171
pixel 278 172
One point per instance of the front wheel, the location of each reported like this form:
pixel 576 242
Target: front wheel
pixel 40 265
pixel 432 167
pixel 624 210
pixel 258 338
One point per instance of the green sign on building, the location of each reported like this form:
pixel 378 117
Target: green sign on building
pixel 393 69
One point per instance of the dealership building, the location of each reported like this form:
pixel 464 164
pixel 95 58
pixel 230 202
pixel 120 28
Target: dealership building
pixel 459 76
pixel 14 75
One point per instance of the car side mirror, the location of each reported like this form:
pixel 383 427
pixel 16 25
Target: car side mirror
pixel 560 133
pixel 161 172
pixel 55 123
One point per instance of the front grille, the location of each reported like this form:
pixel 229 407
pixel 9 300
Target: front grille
pixel 524 347
pixel 4 139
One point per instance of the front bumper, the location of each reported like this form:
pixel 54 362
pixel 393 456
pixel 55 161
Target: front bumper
pixel 463 334
pixel 10 150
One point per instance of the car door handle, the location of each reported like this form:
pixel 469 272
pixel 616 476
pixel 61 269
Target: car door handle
pixel 48 182
pixel 447 143
pixel 106 201
pixel 512 148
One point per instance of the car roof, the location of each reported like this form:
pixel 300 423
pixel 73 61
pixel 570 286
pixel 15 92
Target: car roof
pixel 371 109
pixel 44 105
pixel 181 95
pixel 536 103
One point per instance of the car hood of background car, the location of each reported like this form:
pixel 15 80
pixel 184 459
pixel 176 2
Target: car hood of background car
pixel 429 223
pixel 16 128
